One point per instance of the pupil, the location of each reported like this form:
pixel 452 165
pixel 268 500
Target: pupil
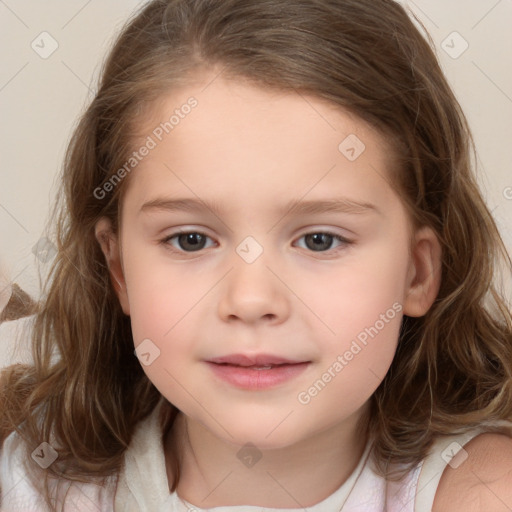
pixel 193 240
pixel 319 238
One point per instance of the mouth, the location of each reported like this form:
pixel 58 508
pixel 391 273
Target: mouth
pixel 256 372
pixel 257 367
pixel 256 361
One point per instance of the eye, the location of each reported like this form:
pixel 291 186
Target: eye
pixel 188 241
pixel 194 241
pixel 321 241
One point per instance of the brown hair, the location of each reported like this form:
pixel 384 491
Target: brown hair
pixel 19 305
pixel 453 366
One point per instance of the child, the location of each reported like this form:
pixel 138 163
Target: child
pixel 331 339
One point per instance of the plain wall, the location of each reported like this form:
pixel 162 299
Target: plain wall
pixel 41 98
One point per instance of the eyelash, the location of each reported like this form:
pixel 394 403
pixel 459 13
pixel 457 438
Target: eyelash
pixel 165 241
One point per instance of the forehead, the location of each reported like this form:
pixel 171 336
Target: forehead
pixel 244 140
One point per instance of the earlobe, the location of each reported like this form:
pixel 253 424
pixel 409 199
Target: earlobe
pixel 424 279
pixel 109 245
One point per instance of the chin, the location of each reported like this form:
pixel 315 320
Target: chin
pixel 256 438
pixel 269 433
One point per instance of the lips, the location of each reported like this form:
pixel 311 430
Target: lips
pixel 256 360
pixel 256 372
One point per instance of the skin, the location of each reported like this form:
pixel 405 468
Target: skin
pixel 252 150
pixel 483 481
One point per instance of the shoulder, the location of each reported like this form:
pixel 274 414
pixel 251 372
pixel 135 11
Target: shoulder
pixel 482 478
pixel 19 492
pixel 16 492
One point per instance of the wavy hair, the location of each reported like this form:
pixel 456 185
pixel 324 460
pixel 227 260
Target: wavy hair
pixel 453 366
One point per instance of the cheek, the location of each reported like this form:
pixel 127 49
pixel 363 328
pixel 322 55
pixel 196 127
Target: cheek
pixel 161 294
pixel 362 306
pixel 364 291
pixel 163 302
pixel 355 360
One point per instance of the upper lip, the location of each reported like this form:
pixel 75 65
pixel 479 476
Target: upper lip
pixel 253 360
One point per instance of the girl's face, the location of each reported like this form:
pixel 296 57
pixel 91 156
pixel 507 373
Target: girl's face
pixel 298 251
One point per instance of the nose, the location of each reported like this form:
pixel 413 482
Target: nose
pixel 254 293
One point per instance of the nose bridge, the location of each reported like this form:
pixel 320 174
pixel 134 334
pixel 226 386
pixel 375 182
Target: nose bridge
pixel 252 291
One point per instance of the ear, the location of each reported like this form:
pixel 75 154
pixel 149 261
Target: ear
pixel 424 277
pixel 111 249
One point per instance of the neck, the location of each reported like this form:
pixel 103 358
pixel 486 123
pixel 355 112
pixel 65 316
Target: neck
pixel 296 476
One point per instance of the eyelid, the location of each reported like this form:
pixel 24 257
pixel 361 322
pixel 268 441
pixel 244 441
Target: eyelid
pixel 183 231
pixel 344 242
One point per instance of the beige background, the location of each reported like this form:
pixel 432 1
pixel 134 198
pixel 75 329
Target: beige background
pixel 40 99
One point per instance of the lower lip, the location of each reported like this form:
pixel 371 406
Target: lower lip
pixel 247 378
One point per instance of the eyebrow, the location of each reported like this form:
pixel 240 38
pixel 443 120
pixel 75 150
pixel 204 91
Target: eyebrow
pixel 294 207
